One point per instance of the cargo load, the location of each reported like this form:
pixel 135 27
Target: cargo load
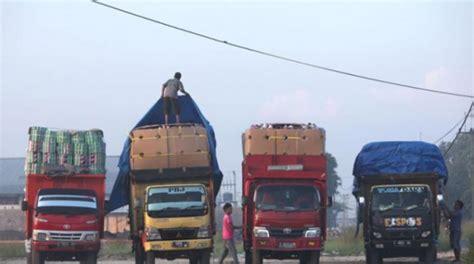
pixel 399 158
pixel 163 147
pixel 82 150
pixel 284 139
pixel 190 114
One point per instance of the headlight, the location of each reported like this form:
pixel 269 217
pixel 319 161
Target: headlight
pixel 40 236
pixel 152 234
pixel 90 237
pixel 377 235
pixel 313 232
pixel 260 232
pixel 204 231
pixel 425 234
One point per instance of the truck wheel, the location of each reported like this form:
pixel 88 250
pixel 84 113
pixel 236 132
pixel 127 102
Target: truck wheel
pixel 139 253
pixel 91 258
pixel 430 255
pixel 150 257
pixel 373 257
pixel 248 257
pixel 37 257
pixel 257 257
pixel 205 257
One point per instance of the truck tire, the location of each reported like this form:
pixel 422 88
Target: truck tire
pixel 248 257
pixel 91 258
pixel 429 256
pixel 257 257
pixel 310 257
pixel 205 257
pixel 372 256
pixel 37 257
pixel 150 257
pixel 139 253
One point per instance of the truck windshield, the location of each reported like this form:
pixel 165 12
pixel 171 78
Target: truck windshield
pixel 385 198
pixel 176 201
pixel 66 204
pixel 287 198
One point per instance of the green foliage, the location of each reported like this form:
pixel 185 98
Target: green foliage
pixel 12 249
pixel 345 244
pixel 460 163
pixel 333 182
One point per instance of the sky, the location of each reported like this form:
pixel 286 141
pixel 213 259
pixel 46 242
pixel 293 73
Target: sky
pixel 76 64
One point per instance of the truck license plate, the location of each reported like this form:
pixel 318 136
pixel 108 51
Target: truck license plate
pixel 180 244
pixel 402 243
pixel 65 244
pixel 287 244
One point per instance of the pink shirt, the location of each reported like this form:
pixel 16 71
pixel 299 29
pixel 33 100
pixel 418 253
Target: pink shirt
pixel 227 228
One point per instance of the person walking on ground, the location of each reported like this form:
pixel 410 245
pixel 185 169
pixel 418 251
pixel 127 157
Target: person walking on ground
pixel 169 92
pixel 455 223
pixel 228 235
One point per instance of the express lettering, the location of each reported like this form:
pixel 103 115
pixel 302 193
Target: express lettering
pixel 403 221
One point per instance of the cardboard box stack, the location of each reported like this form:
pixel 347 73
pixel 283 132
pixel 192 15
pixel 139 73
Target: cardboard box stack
pixel 284 139
pixel 85 150
pixel 159 147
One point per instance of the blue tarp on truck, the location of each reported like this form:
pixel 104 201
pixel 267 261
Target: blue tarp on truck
pixel 399 157
pixel 190 113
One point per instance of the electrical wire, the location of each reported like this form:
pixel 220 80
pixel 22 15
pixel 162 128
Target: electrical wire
pixel 460 129
pixel 449 132
pixel 281 57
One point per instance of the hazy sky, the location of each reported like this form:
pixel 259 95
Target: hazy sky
pixel 80 65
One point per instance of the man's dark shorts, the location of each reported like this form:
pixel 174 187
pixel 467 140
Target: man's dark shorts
pixel 455 239
pixel 171 104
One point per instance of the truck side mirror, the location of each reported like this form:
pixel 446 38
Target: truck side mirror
pixel 24 205
pixel 245 200
pixel 330 201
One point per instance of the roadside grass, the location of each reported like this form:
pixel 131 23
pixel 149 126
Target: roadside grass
pixel 219 244
pixel 12 249
pixel 119 249
pixel 345 244
pixel 469 234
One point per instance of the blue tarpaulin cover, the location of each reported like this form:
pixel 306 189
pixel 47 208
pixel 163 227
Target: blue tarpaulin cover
pixel 399 157
pixel 190 113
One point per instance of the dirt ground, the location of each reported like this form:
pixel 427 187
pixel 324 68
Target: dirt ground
pixel 445 258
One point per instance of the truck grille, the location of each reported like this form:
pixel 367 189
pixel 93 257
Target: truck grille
pixel 283 232
pixel 65 236
pixel 401 235
pixel 182 233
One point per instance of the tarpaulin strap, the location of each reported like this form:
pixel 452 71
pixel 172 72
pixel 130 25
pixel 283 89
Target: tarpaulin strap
pixel 168 154
pixel 182 136
pixel 280 137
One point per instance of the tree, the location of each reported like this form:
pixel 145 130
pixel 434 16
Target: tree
pixel 460 163
pixel 333 182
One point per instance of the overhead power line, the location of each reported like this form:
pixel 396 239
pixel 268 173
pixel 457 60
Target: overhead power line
pixel 281 57
pixel 449 132
pixel 460 129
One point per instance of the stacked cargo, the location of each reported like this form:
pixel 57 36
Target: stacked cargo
pixel 160 147
pixel 84 150
pixel 284 139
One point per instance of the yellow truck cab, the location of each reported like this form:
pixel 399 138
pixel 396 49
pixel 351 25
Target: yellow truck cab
pixel 178 222
pixel 171 203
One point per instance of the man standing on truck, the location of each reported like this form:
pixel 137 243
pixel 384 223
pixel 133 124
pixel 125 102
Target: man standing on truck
pixel 455 223
pixel 169 92
pixel 228 235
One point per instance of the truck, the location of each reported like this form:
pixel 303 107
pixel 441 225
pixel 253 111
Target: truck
pixel 170 177
pixel 398 188
pixel 64 207
pixel 284 192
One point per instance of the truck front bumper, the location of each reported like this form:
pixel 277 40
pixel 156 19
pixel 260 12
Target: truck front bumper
pixel 287 244
pixel 177 245
pixel 401 248
pixel 66 246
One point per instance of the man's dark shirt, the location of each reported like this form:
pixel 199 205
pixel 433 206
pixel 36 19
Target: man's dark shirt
pixel 456 221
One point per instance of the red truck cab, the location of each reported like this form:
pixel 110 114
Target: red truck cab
pixel 284 207
pixel 64 217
